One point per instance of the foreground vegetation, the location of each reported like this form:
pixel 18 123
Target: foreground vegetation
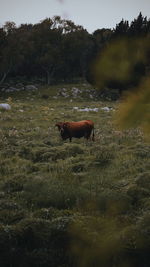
pixel 71 204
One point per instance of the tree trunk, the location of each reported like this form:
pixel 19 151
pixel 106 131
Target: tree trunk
pixel 3 78
pixel 49 76
pixel 5 74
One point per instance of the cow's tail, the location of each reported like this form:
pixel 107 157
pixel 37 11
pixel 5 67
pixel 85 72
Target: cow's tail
pixel 93 136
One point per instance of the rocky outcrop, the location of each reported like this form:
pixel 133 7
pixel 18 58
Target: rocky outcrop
pixel 18 87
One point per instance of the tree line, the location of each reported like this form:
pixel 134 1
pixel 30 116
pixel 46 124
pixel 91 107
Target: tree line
pixel 56 50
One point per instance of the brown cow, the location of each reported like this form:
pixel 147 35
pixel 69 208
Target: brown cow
pixel 76 129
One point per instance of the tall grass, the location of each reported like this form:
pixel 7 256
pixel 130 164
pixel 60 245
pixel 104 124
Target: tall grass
pixel 71 204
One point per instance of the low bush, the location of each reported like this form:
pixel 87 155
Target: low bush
pixel 137 194
pixel 113 203
pixel 143 180
pixel 57 192
pixel 51 213
pixel 103 156
pixel 12 185
pixel 35 242
pixel 10 212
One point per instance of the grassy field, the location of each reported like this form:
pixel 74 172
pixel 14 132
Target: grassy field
pixel 71 204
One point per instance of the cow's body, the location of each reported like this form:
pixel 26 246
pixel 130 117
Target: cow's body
pixel 76 129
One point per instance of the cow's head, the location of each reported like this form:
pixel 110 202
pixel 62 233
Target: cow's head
pixel 59 125
pixel 62 128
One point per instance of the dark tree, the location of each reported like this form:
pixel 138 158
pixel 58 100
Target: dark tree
pixel 122 28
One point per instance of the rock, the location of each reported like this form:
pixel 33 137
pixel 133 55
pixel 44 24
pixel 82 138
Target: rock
pixel 106 108
pixel 63 92
pixel 11 89
pixel 31 87
pixel 19 85
pixel 5 106
pixel 86 109
pixel 8 89
pixel 75 92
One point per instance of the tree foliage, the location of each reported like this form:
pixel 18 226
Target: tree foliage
pixel 56 50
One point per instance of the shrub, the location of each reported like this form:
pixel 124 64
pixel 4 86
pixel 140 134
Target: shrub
pixel 103 156
pixel 143 180
pixel 51 213
pixel 78 167
pixel 57 191
pixel 113 203
pixel 33 233
pixel 142 151
pixel 142 240
pixel 137 194
pixel 12 185
pixel 10 212
pixel 109 94
pixel 35 242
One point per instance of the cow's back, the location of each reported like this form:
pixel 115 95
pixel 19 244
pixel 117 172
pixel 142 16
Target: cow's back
pixel 78 129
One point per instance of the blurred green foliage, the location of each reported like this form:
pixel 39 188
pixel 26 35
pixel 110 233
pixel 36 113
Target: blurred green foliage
pixel 119 63
pixel 134 111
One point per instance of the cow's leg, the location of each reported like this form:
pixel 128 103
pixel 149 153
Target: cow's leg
pixel 93 136
pixel 70 139
pixel 88 135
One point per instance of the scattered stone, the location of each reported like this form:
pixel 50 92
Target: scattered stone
pixel 63 92
pixel 86 109
pixel 75 92
pixel 93 109
pixel 20 85
pixel 31 87
pixel 11 89
pixel 5 106
pixel 106 108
